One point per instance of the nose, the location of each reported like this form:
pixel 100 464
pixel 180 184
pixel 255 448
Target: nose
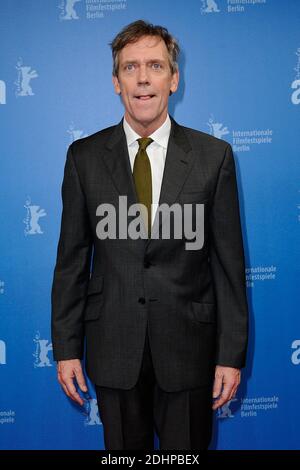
pixel 143 76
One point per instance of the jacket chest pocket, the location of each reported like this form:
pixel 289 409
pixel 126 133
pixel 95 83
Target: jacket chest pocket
pixel 190 197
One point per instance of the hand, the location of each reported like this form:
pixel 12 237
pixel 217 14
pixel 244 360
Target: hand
pixel 66 372
pixel 227 380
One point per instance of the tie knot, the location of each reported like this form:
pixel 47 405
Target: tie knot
pixel 144 142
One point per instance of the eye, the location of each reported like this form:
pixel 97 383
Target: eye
pixel 156 66
pixel 129 67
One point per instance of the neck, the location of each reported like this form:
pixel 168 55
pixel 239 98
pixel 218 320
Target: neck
pixel 144 129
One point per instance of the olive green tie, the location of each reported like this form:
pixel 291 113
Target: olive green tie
pixel 143 180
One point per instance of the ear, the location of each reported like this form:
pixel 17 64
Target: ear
pixel 116 85
pixel 174 82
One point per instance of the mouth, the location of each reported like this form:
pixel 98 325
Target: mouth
pixel 144 97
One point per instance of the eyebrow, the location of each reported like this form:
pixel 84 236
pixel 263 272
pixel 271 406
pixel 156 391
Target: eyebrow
pixel 136 61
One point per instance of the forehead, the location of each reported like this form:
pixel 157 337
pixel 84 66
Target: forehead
pixel 145 47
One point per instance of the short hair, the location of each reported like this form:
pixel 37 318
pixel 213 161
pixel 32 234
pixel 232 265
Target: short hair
pixel 138 29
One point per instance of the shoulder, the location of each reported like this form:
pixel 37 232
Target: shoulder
pixel 92 142
pixel 198 139
pixel 209 151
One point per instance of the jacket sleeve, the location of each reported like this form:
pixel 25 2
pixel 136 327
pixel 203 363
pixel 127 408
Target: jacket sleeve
pixel 228 268
pixel 71 273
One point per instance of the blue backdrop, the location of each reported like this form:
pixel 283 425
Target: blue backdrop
pixel 240 81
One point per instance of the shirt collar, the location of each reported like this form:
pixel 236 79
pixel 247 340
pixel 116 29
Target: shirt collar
pixel 160 136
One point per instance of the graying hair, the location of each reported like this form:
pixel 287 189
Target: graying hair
pixel 136 30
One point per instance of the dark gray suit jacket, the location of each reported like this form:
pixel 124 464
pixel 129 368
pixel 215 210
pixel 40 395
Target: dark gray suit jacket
pixel 108 290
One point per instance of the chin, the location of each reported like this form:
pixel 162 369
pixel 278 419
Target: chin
pixel 145 117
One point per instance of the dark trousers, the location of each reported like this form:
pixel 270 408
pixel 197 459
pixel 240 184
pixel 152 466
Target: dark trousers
pixel 182 420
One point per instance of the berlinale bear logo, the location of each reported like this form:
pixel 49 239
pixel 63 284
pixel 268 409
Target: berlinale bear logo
pixel 2 352
pixel 2 92
pixel 68 11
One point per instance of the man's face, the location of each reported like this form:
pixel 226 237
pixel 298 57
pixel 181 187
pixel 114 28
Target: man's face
pixel 145 81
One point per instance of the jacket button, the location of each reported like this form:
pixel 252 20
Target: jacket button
pixel 142 300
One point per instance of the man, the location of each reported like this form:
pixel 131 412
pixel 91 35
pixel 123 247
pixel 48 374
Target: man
pixel 165 326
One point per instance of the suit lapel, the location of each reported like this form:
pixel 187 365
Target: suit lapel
pixel 178 164
pixel 118 164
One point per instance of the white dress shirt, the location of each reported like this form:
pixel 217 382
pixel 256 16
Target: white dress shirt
pixel 156 152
